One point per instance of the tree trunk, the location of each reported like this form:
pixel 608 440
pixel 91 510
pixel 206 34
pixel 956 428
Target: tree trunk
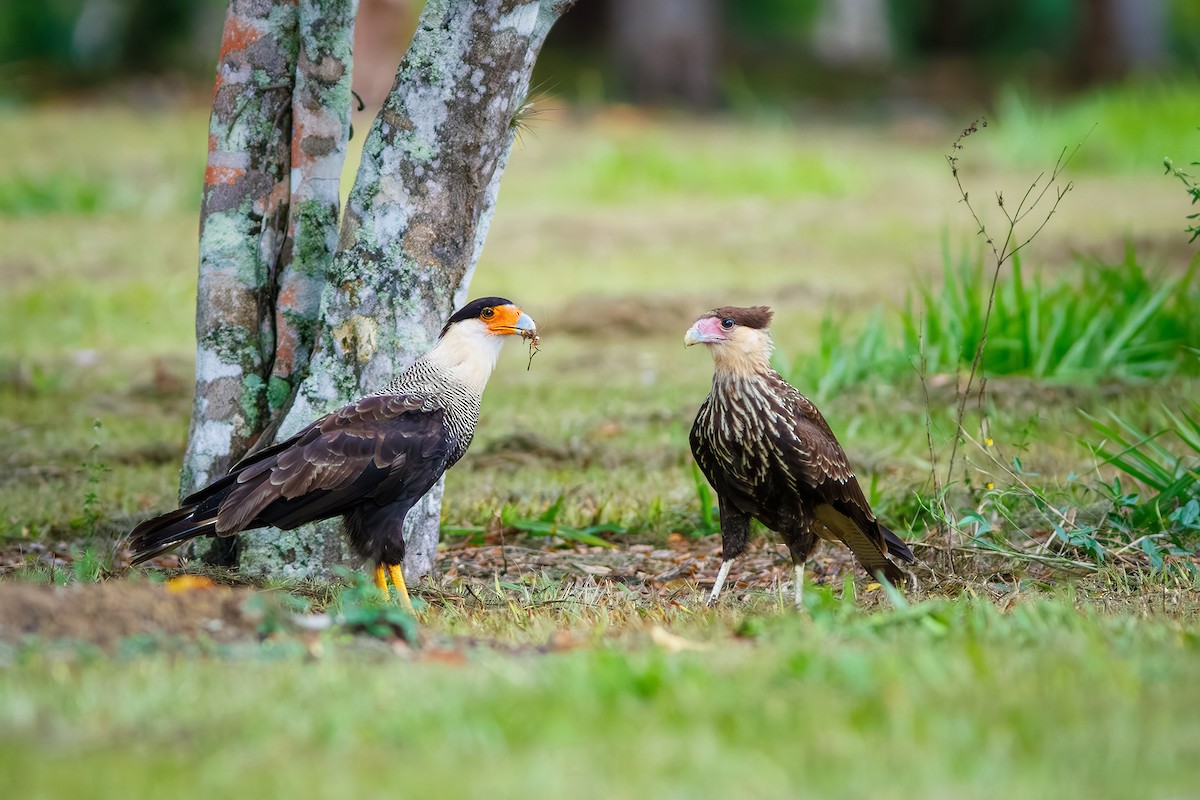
pixel 668 51
pixel 412 232
pixel 243 225
pixel 1121 36
pixel 853 33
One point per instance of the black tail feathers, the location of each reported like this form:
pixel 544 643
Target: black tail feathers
pixel 896 546
pixel 156 536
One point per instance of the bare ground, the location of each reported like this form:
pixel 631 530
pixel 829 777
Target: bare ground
pixel 110 611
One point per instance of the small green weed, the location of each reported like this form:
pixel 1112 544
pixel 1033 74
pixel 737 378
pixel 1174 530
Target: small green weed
pixel 95 469
pixel 361 609
pixel 89 566
pixel 1165 521
pixel 547 524
pixel 709 521
pixel 1193 190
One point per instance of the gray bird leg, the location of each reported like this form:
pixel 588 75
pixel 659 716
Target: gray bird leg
pixel 716 590
pixel 800 586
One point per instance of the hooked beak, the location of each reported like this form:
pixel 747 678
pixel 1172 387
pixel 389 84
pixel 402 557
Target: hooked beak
pixel 702 333
pixel 526 326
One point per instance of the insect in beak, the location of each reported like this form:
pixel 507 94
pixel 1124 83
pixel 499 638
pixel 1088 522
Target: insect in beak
pixel 534 341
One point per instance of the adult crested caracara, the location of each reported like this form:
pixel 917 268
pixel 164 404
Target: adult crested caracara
pixel 770 455
pixel 368 462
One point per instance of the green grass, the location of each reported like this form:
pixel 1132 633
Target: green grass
pixel 949 698
pixel 1119 321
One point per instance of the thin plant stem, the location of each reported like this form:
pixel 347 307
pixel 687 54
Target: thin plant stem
pixel 1003 250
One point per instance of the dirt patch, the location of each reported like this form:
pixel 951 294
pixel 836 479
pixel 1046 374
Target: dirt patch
pixel 681 570
pixel 684 564
pixel 107 613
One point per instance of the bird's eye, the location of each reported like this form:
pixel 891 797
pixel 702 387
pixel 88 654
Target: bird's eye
pixel 727 323
pixel 487 313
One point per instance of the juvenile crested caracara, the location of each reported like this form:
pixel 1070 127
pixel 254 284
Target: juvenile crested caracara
pixel 368 462
pixel 770 455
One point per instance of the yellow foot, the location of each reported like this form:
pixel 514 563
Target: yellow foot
pixel 381 581
pixel 401 589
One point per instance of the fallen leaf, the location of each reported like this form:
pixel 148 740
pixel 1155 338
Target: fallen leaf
pixel 671 642
pixel 451 658
pixel 561 641
pixel 189 583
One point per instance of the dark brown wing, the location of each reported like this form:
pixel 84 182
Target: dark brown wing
pixel 821 464
pixel 826 482
pixel 386 451
pixel 380 449
pixel 770 454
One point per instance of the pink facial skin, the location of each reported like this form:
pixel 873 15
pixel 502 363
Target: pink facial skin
pixel 706 330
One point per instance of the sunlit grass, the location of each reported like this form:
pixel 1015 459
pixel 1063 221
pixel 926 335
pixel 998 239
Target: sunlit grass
pixel 950 698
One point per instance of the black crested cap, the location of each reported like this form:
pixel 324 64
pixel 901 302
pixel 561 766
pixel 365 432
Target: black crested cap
pixel 472 310
pixel 752 317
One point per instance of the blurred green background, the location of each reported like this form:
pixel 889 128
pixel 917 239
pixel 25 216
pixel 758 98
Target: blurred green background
pixel 709 53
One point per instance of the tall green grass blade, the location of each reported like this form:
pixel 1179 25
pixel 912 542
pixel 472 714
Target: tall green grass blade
pixel 1133 325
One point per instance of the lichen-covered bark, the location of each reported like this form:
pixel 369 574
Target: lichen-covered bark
pixel 413 230
pixel 269 222
pixel 320 129
pixel 243 223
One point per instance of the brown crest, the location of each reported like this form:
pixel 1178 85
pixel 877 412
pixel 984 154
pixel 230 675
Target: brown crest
pixel 753 317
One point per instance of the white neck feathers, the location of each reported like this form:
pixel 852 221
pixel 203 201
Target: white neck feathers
pixel 467 354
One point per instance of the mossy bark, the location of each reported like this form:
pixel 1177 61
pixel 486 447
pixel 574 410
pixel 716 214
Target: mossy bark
pixel 412 232
pixel 268 225
pixel 243 224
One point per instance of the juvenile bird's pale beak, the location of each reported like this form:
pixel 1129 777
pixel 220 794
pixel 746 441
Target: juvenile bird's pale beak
pixel 706 330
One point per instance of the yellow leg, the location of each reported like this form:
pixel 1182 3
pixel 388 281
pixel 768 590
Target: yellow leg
pixel 401 589
pixel 381 581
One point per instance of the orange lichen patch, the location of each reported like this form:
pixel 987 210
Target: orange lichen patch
pixel 287 297
pixel 300 159
pixel 280 195
pixel 286 333
pixel 285 350
pixel 189 583
pixel 238 35
pixel 216 175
